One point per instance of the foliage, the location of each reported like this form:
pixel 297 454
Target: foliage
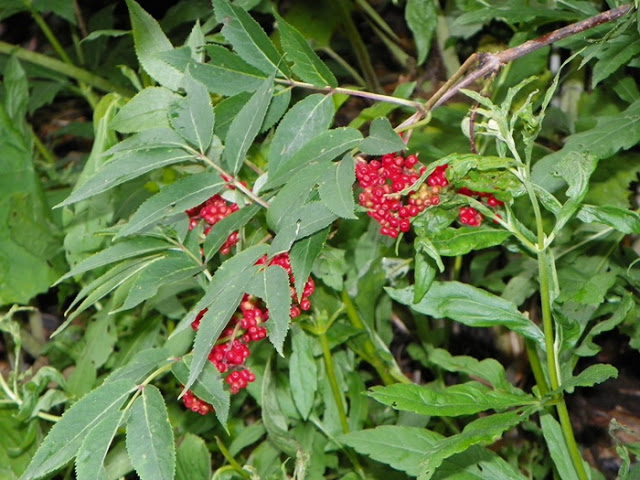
pixel 232 245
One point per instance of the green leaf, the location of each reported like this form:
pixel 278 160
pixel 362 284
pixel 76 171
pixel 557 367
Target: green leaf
pixel 483 431
pixel 336 190
pixel 124 167
pixel 302 255
pixel 590 376
pixel 193 461
pixel 248 38
pixel 173 268
pixel 149 40
pixel 622 219
pixel 278 300
pixel 451 242
pixel 16 91
pixel 302 372
pixel 226 74
pixel 462 399
pixel 192 116
pixel 134 247
pixel 422 19
pixel 320 150
pixel 306 64
pixel 425 273
pixel 146 110
pixel 303 122
pixel 173 199
pixel 232 223
pixel 94 448
pixel 557 446
pixel 65 438
pixel 209 387
pixel 313 217
pixel 245 126
pixel 150 437
pixel 382 139
pixel 138 367
pixel 488 369
pixel 152 138
pixel 617 54
pixel 469 305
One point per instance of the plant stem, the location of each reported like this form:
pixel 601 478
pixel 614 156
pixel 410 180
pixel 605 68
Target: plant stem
pixel 331 374
pixel 70 71
pixel 232 461
pixel 344 64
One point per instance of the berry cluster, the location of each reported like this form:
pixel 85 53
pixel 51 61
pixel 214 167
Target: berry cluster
pixel 469 215
pixel 382 180
pixel 231 350
pixel 212 211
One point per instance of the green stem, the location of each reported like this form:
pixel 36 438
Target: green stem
pixel 536 367
pixel 70 71
pixel 331 374
pixel 232 461
pixel 53 40
pixel 344 64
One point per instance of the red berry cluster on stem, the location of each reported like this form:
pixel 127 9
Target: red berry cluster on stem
pixel 212 211
pixel 231 350
pixel 469 215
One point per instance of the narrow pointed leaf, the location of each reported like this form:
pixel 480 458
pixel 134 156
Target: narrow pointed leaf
pixel 302 372
pixel 152 138
pixel 232 223
pixel 192 116
pixel 94 448
pixel 278 300
pixel 422 19
pixel 303 254
pixel 451 242
pixel 150 437
pixel 336 191
pixel 193 459
pixel 142 363
pixel 382 139
pixel 622 219
pixel 146 110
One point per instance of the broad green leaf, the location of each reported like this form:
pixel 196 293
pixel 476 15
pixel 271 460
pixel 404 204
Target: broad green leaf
pixel 193 460
pixel 469 305
pixel 94 448
pixel 488 369
pixel 459 241
pixel 622 219
pixel 149 40
pixel 209 387
pixel 588 347
pixel 192 116
pixel 248 38
pixel 227 110
pixel 277 108
pixel 150 437
pixel 246 125
pixel 425 273
pixel 134 247
pixel 278 300
pixel 617 54
pixel 226 73
pixel 173 268
pixel 403 449
pixel 306 64
pixel 232 223
pixel 303 254
pixel 557 446
pixel 65 438
pixel 462 399
pixel 312 217
pixel 141 365
pixel 320 150
pixel 152 138
pixel 173 199
pixel 16 92
pixel 422 19
pixel 483 431
pixel 304 121
pixel 336 190
pixel 127 166
pixel 146 110
pixel 382 139
pixel 302 372
pixel 590 376
pixel 576 169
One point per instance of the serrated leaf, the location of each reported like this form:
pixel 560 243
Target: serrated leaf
pixel 459 241
pixel 192 116
pixel 94 448
pixel 616 55
pixel 382 139
pixel 483 431
pixel 209 387
pixel 313 217
pixel 231 223
pixel 336 190
pixel 303 254
pixel 320 150
pixel 193 460
pixel 65 438
pixel 143 363
pixel 152 138
pixel 462 399
pixel 422 18
pixel 278 300
pixel 274 420
pixel 622 219
pixel 245 126
pixel 118 252
pixel 173 268
pixel 302 372
pixel 248 38
pixel 304 121
pixel 150 437
pixel 124 167
pixel 146 110
pixel 149 40
pixel 469 305
pixel 306 64
pixel 175 198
